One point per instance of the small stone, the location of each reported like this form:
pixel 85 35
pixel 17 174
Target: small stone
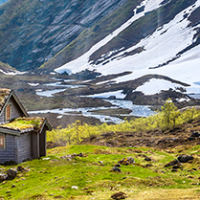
pixel 75 187
pixel 117 165
pixel 101 163
pixel 115 169
pixel 3 177
pixel 172 163
pixel 21 169
pixel 174 170
pixel 127 161
pixel 13 186
pixel 147 159
pixel 185 158
pixel 119 195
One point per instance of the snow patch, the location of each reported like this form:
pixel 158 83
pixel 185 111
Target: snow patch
pixel 82 62
pixel 117 94
pixel 33 84
pixel 155 86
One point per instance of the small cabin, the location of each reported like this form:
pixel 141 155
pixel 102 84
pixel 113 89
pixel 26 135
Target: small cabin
pixel 21 137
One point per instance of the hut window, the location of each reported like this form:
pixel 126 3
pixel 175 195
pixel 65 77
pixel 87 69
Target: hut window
pixel 2 142
pixel 8 112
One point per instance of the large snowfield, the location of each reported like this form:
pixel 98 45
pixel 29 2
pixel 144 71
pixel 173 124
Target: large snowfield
pixel 161 47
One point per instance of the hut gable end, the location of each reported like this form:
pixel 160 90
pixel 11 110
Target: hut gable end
pixel 10 106
pixel 21 137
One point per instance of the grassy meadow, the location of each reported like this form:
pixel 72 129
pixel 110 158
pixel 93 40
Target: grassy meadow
pixel 90 177
pixel 66 174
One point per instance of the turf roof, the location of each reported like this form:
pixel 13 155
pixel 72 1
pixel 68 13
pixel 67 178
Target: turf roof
pixel 4 94
pixel 24 123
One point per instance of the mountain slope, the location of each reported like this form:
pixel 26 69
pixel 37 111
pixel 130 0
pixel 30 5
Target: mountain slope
pixel 163 38
pixel 44 27
pixel 122 41
pixel 7 69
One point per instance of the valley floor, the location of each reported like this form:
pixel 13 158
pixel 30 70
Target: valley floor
pixel 87 172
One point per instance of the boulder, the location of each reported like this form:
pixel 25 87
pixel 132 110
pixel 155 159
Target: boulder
pixel 11 173
pixel 185 158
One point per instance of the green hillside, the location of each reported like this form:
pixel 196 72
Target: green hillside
pixel 86 172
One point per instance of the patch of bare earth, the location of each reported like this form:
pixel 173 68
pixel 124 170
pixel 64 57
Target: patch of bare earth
pixel 157 138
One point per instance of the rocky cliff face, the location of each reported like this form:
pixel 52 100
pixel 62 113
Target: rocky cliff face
pixel 103 38
pixel 32 32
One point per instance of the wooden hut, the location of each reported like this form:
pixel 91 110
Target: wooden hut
pixel 21 137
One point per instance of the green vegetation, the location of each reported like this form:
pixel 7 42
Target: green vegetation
pixel 90 177
pixel 168 118
pixel 6 67
pixel 92 35
pixel 25 123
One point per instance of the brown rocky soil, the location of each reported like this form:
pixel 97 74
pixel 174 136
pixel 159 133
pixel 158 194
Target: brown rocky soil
pixel 158 139
pixel 66 119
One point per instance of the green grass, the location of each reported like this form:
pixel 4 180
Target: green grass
pixel 25 123
pixel 54 178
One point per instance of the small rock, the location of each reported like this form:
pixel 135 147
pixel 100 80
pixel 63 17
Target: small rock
pixel 174 170
pixel 147 159
pixel 3 177
pixel 195 134
pixel 117 165
pixel 101 163
pixel 119 195
pixel 75 187
pixel 185 158
pixel 127 161
pixel 115 169
pixel 149 165
pixel 21 169
pixel 13 186
pixel 172 163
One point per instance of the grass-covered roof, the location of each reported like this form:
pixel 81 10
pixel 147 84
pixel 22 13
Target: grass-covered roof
pixel 24 123
pixel 4 94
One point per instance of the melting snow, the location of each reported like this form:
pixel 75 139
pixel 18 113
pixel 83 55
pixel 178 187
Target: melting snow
pixel 33 84
pixel 82 63
pixel 117 94
pixel 160 47
pixel 156 85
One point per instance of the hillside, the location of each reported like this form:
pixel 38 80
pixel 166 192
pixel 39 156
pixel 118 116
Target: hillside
pixel 7 69
pixel 144 51
pixel 161 163
pixel 87 172
pixel 32 32
pixel 179 137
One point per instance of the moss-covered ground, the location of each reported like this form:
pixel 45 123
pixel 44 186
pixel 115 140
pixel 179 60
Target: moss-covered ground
pixel 89 177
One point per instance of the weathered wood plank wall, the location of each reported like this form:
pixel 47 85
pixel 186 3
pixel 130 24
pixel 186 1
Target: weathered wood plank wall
pixel 24 147
pixel 8 154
